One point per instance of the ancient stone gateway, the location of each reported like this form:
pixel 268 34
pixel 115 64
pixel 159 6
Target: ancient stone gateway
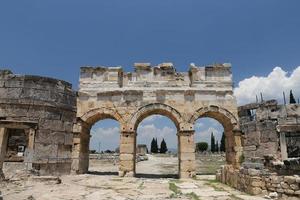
pixel 129 97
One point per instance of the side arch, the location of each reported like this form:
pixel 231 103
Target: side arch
pixel 225 117
pixel 94 115
pixel 156 108
pixel 231 129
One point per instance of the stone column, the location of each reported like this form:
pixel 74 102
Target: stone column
pixel 127 153
pixel 283 147
pixel 29 152
pixel 186 154
pixel 3 144
pixel 80 149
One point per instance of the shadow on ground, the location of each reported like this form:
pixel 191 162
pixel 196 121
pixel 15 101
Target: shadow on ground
pixel 156 176
pixel 103 173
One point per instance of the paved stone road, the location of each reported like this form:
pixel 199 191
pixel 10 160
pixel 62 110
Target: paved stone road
pixel 110 187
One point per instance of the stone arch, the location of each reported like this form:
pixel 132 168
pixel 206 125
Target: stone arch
pixel 225 117
pixel 156 108
pixel 231 129
pixel 81 130
pixel 97 114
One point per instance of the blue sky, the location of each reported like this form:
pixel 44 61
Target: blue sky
pixel 54 38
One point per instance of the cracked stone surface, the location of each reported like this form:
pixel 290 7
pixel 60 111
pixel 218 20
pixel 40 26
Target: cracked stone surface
pixel 93 187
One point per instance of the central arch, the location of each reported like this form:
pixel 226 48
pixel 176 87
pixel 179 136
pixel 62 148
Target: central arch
pixel 154 109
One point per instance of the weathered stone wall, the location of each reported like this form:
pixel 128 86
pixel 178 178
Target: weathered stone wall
pixel 267 166
pixel 129 97
pixel 257 182
pixel 263 127
pixel 46 108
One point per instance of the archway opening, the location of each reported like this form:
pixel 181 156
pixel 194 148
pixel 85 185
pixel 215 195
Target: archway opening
pixel 157 147
pixel 104 146
pixel 210 146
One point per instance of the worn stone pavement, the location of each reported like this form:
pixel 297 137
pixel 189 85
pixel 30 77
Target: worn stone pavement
pixel 112 187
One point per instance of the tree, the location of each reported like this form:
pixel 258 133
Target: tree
pixel 163 146
pixel 201 146
pixel 222 145
pixel 154 148
pixel 292 98
pixel 212 142
pixel 217 146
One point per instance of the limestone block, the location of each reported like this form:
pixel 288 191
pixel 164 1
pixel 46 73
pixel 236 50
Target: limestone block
pixel 127 148
pixel 68 139
pixel 289 191
pixel 289 179
pixel 126 165
pixel 294 186
pixel 284 185
pixel 124 156
pixel 255 190
pixel 187 156
pixel 187 165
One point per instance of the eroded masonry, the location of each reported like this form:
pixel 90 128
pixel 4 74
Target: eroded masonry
pixel 271 150
pixel 109 92
pixel 46 125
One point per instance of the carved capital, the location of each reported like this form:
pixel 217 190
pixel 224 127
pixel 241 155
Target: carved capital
pixel 128 133
pixel 185 132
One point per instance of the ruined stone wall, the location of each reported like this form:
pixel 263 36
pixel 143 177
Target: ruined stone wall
pixel 262 124
pixel 46 108
pixel 267 166
pixel 260 181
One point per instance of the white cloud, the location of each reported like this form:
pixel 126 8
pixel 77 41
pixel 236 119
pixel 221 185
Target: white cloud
pixel 271 86
pixel 108 138
pixel 149 131
pixel 152 118
pixel 199 125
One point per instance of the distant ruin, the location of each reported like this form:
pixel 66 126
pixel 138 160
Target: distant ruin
pixel 271 150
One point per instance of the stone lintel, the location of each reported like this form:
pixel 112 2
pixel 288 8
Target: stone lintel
pixel 288 128
pixel 18 124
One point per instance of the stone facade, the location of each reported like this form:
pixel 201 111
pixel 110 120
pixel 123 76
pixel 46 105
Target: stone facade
pixel 129 97
pixel 271 147
pixel 42 110
pixel 266 127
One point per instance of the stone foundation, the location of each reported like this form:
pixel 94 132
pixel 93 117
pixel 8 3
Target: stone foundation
pixel 259 182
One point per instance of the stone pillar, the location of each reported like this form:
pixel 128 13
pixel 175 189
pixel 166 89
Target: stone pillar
pixel 3 144
pixel 186 154
pixel 283 147
pixel 234 150
pixel 29 152
pixel 127 153
pixel 80 149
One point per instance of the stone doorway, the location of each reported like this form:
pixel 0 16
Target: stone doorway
pixel 16 146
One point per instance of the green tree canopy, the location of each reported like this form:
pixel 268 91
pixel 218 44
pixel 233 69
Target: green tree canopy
pixel 292 98
pixel 154 147
pixel 217 146
pixel 163 146
pixel 201 146
pixel 212 142
pixel 222 145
